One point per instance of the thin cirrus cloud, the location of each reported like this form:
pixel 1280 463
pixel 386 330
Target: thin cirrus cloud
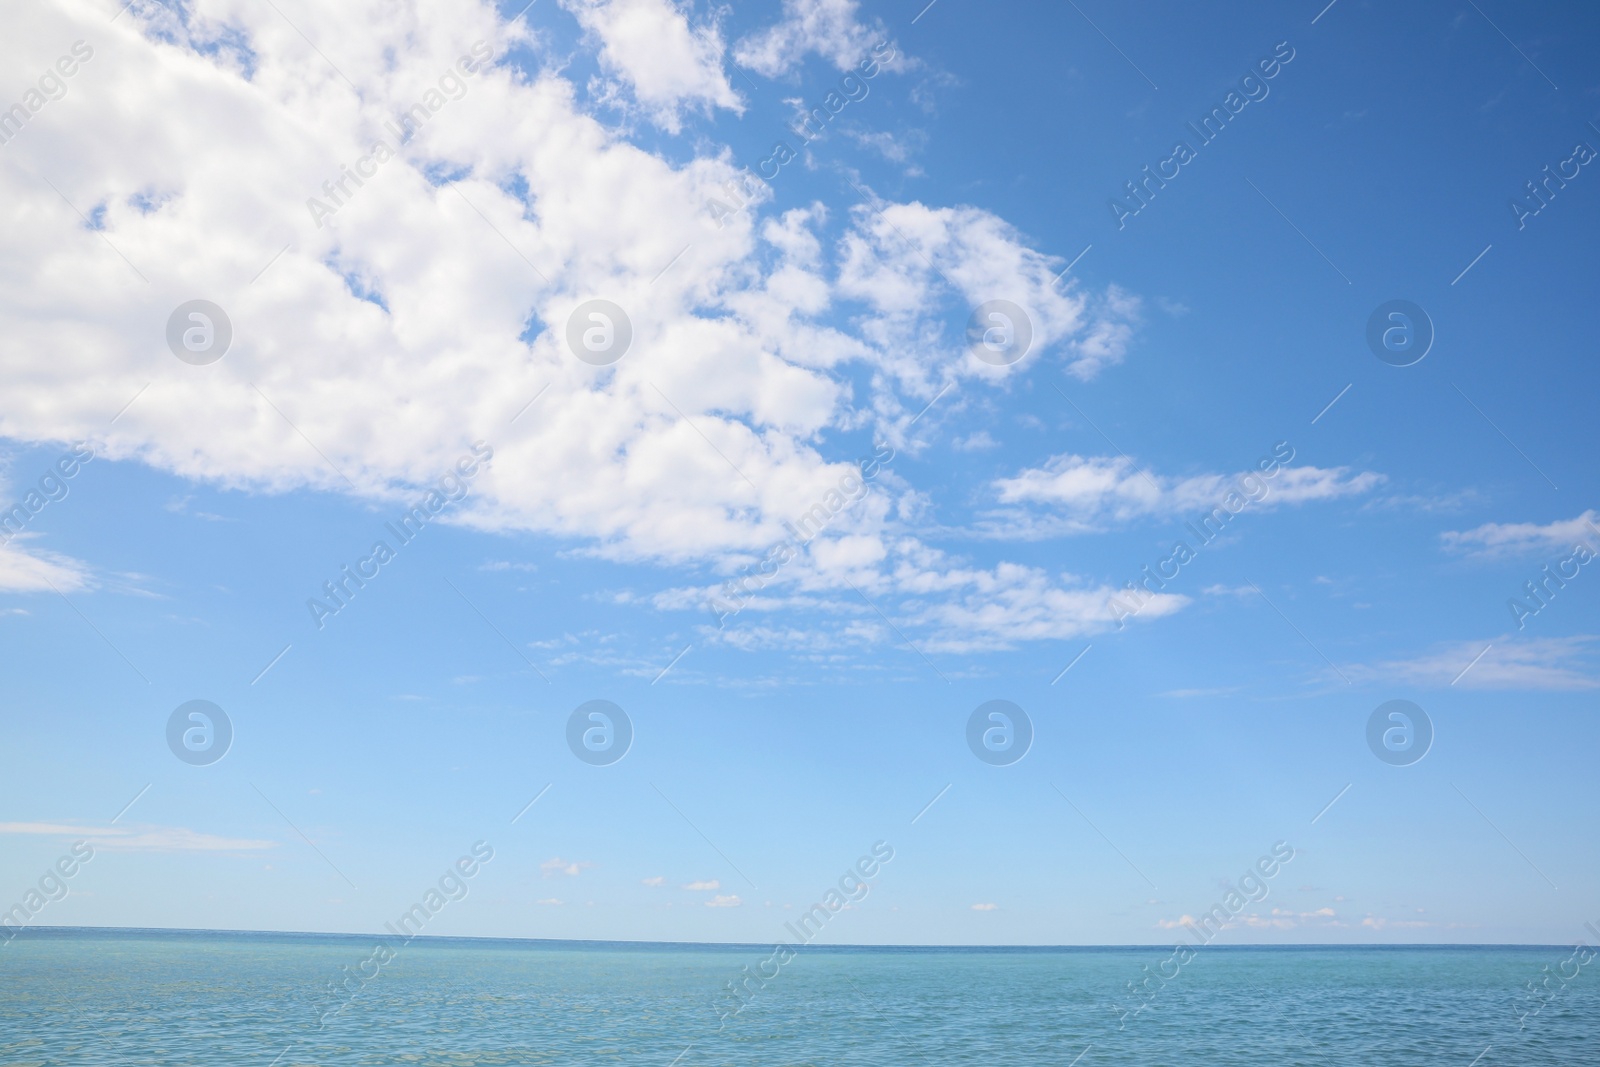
pixel 141 838
pixel 1080 494
pixel 1506 662
pixel 39 571
pixel 570 868
pixel 1499 539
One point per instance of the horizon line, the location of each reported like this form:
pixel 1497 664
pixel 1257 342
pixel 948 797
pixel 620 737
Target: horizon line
pixel 759 945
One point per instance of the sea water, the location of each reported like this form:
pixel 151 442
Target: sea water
pixel 92 997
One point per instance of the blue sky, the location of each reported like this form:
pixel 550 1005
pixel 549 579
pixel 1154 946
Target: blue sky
pixel 1218 332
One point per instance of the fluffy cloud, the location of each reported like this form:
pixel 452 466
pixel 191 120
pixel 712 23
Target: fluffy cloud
pixel 829 28
pixel 704 885
pixel 421 303
pixel 668 65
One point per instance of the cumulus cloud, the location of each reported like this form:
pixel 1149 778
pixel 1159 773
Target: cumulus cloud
pixel 421 303
pixel 985 907
pixel 704 885
pixel 1496 539
pixel 829 28
pixel 720 901
pixel 655 882
pixel 668 64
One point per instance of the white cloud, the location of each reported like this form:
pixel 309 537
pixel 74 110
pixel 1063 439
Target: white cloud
pixel 1275 919
pixel 985 907
pixel 557 865
pixel 141 838
pixel 704 885
pixel 1559 663
pixel 431 306
pixel 899 259
pixel 668 64
pixel 551 902
pixel 22 571
pixel 720 901
pixel 655 883
pixel 989 609
pixel 829 28
pixel 1087 493
pixel 1495 539
pixel 977 441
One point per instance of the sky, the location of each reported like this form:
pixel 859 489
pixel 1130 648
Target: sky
pixel 799 379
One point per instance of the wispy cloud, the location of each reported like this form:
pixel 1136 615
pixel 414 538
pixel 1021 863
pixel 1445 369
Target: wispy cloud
pixel 1558 663
pixel 556 865
pixel 704 885
pixel 1081 494
pixel 1499 539
pixel 140 838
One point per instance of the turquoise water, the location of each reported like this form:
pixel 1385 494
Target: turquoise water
pixel 171 998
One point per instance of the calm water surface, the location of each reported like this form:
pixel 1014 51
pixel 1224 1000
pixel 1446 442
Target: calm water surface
pixel 169 998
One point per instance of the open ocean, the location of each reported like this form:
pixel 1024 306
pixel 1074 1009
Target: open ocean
pixel 174 998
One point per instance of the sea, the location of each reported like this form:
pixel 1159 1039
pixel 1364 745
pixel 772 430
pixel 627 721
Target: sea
pixel 173 998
